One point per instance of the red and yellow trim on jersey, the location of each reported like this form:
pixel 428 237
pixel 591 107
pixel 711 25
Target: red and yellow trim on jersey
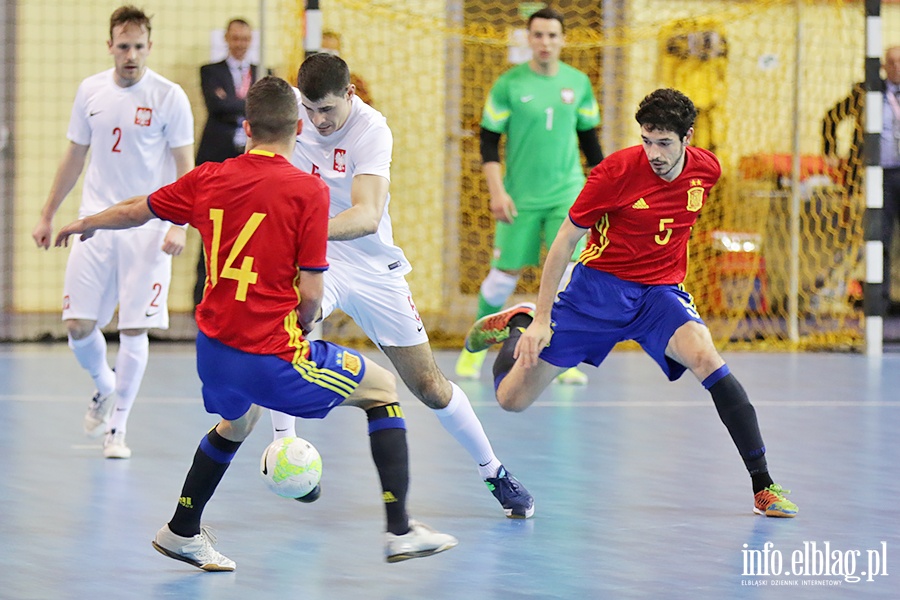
pixel 593 251
pixel 308 369
pixel 295 337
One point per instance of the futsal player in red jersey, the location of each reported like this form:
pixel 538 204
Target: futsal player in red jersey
pixel 264 225
pixel 639 205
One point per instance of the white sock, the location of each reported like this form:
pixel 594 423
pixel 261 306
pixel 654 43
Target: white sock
pixel 460 421
pixel 131 362
pixel 90 352
pixel 282 425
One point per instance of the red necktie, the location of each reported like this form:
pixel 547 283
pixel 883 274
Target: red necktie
pixel 245 84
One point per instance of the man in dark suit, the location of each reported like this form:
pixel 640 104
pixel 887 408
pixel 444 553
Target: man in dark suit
pixel 225 86
pixel 852 107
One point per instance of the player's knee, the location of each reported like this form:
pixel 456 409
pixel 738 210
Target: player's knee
pixel 133 332
pixel 238 429
pixel 78 329
pixel 511 402
pixel 431 388
pixel 379 384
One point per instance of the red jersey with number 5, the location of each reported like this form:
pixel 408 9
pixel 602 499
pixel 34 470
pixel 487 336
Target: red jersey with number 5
pixel 262 220
pixel 640 224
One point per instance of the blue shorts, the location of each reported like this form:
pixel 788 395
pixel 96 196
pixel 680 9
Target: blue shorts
pixel 598 310
pixel 309 388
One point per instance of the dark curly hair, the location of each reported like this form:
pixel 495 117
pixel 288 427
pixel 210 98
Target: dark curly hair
pixel 322 74
pixel 666 110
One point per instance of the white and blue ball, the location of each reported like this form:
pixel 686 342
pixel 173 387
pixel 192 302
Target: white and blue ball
pixel 291 467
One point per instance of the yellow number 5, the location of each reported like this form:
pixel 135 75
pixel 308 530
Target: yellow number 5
pixel 663 240
pixel 245 276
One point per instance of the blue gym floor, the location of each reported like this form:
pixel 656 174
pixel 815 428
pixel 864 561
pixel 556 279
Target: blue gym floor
pixel 639 490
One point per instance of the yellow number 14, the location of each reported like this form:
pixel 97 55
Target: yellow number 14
pixel 245 276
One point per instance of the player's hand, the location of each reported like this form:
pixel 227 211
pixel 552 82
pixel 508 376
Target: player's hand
pixel 174 241
pixel 43 233
pixel 306 328
pixel 533 340
pixel 62 238
pixel 503 208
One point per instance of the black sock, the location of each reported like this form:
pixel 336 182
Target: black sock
pixel 505 361
pixel 387 438
pixel 210 463
pixel 761 481
pixel 739 417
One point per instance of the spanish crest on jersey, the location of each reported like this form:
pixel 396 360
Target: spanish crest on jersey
pixel 695 197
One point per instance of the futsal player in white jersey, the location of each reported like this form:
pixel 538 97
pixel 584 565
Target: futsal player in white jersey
pixel 348 144
pixel 139 129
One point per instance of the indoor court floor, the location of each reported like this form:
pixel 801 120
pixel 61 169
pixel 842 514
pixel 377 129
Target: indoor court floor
pixel 639 491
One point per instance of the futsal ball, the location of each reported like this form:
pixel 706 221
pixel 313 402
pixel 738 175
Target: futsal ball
pixel 291 467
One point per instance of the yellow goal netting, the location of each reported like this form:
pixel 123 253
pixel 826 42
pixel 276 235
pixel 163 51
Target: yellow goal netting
pixel 780 241
pixel 776 258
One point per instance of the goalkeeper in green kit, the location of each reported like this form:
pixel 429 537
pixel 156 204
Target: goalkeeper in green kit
pixel 547 110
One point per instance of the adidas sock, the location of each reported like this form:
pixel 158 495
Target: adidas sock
pixel 387 438
pixel 90 352
pixel 283 425
pixel 210 463
pixel 505 360
pixel 460 421
pixel 131 362
pixel 760 481
pixel 739 417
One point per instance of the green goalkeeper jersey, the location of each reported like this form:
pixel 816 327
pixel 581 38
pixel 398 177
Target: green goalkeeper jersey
pixel 540 116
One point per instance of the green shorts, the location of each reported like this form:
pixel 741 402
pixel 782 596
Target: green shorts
pixel 518 245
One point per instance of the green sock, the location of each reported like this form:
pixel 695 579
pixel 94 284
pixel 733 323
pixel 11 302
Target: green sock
pixel 485 309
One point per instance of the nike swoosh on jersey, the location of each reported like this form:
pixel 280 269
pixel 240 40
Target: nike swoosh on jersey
pixel 527 98
pixel 94 112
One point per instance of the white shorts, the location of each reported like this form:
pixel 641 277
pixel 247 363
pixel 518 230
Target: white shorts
pixel 125 267
pixel 381 304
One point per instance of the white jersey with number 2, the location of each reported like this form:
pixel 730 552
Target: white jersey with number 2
pixel 131 131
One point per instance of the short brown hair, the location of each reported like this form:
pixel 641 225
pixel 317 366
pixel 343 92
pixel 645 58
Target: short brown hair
pixel 128 14
pixel 549 14
pixel 271 110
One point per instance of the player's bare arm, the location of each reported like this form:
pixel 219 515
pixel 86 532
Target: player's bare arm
pixel 311 286
pixel 537 336
pixel 368 195
pixel 67 174
pixel 502 206
pixel 176 236
pixel 124 215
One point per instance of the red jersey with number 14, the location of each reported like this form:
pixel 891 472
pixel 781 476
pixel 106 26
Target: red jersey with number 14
pixel 640 223
pixel 262 220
